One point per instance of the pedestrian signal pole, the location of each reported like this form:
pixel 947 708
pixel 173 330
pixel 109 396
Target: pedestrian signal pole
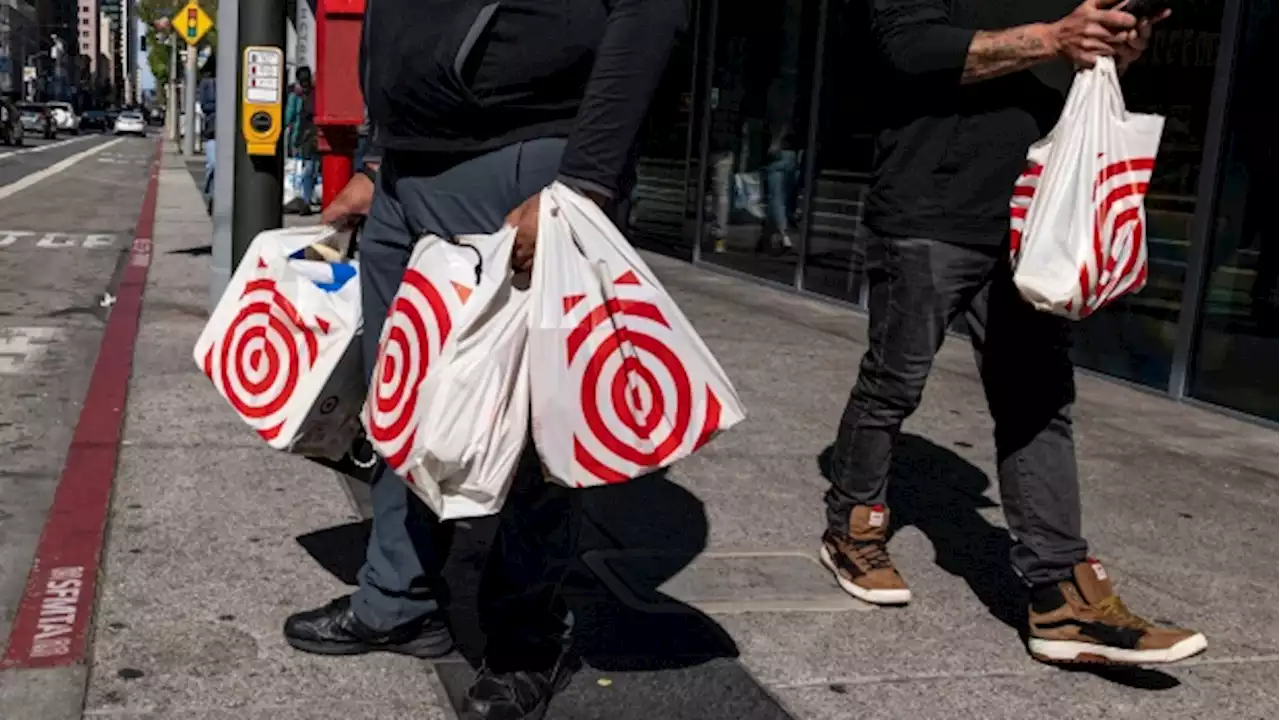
pixel 261 87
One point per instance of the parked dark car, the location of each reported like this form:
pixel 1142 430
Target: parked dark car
pixel 95 120
pixel 11 130
pixel 38 119
pixel 155 116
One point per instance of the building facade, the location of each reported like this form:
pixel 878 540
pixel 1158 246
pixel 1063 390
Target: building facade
pixel 759 148
pixel 19 41
pixel 87 28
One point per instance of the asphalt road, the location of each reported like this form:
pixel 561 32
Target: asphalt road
pixel 67 214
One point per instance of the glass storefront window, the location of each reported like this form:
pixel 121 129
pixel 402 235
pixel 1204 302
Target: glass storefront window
pixel 834 253
pixel 1134 337
pixel 758 99
pixel 659 208
pixel 1236 354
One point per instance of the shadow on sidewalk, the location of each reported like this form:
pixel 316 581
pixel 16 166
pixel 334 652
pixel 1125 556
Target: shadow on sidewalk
pixel 940 493
pixel 637 535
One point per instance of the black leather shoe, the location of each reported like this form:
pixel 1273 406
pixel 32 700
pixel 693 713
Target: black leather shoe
pixel 335 630
pixel 518 695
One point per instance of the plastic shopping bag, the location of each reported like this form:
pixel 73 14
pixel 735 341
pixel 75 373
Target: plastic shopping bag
pixel 448 406
pixel 621 383
pixel 1078 228
pixel 747 196
pixel 281 345
pixel 293 171
pixel 292 180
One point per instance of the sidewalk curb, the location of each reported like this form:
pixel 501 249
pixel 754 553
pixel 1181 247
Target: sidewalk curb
pixel 52 622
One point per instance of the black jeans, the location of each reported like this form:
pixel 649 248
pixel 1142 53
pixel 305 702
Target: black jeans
pixel 917 287
pixel 520 614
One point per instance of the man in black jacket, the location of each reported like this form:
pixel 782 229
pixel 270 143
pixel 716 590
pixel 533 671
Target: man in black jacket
pixel 475 107
pixel 975 83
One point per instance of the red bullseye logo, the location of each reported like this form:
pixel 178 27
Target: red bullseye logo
pixel 1119 261
pixel 638 401
pixel 259 359
pixel 418 325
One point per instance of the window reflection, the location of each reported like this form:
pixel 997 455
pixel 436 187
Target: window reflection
pixel 1236 357
pixel 763 67
pixel 657 212
pixel 833 262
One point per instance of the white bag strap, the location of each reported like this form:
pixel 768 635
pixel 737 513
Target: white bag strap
pixel 1109 77
pixel 600 270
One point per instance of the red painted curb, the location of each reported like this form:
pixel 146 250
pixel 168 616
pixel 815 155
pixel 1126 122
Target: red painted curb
pixel 52 623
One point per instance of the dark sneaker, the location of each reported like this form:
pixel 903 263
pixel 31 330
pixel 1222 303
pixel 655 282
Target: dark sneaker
pixel 1082 621
pixel 860 559
pixel 517 695
pixel 335 630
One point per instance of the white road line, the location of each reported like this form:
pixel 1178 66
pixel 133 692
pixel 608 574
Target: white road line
pixel 35 177
pixel 42 148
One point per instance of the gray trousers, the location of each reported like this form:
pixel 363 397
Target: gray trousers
pixel 917 288
pixel 450 195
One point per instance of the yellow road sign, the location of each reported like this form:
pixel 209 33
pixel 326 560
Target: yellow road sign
pixel 191 23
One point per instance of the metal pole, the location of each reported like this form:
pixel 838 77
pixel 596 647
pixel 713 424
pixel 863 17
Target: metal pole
pixel 171 104
pixel 189 103
pixel 226 135
pixel 259 180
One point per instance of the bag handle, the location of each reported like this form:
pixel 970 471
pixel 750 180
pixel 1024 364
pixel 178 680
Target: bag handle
pixel 600 271
pixel 1106 73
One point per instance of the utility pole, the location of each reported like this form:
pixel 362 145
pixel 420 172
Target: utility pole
pixel 189 103
pixel 259 179
pixel 227 147
pixel 171 104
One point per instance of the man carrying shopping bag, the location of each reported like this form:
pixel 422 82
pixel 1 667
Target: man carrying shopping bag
pixel 967 105
pixel 476 108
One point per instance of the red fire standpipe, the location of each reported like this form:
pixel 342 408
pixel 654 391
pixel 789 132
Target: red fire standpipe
pixel 339 104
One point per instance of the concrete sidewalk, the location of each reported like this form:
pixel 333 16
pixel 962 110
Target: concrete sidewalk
pixel 698 593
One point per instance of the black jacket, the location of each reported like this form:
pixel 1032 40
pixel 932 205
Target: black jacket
pixel 472 75
pixel 948 154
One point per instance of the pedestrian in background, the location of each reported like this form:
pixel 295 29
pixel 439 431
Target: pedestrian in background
pixel 966 105
pixel 207 93
pixel 303 139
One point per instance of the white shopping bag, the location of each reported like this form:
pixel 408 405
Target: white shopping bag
pixel 1077 224
pixel 448 406
pixel 292 180
pixel 281 345
pixel 621 383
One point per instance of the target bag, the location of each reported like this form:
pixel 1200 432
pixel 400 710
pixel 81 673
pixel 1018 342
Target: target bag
pixel 1077 224
pixel 281 344
pixel 448 406
pixel 621 384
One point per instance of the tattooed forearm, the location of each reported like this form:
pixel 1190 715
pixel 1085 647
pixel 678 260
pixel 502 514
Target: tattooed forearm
pixel 1001 52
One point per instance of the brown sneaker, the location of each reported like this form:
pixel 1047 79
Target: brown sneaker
pixel 1082 621
pixel 860 561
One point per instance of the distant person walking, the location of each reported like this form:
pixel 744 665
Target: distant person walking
pixel 207 94
pixel 303 140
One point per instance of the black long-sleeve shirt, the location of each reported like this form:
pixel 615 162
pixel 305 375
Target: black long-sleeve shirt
pixel 948 154
pixel 466 75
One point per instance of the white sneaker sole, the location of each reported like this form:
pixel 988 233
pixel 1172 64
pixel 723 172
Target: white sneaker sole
pixel 1071 651
pixel 875 597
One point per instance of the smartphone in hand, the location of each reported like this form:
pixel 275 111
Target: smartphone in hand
pixel 1145 9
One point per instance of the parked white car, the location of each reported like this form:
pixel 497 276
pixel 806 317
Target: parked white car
pixel 64 116
pixel 131 122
